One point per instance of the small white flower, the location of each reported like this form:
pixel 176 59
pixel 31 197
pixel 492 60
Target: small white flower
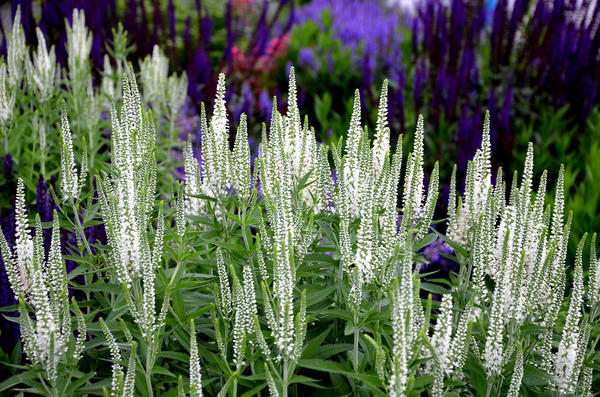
pixel 69 184
pixel 154 73
pixel 42 71
pixel 79 46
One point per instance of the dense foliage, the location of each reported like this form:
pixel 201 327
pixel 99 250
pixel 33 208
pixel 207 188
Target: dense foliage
pixel 532 63
pixel 301 269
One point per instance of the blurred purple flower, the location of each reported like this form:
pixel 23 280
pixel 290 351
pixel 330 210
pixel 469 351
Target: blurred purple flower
pixel 172 22
pixel 9 331
pixel 8 167
pixel 434 253
pixel 306 59
pixel 469 137
pixel 266 105
pixel 45 206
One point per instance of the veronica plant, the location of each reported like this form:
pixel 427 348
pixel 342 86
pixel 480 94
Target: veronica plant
pixel 39 281
pixel 291 275
pixel 127 201
pixel 520 246
pixel 41 70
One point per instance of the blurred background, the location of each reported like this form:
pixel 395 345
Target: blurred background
pixel 534 64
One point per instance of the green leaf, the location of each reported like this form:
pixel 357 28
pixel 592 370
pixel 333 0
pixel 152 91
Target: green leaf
pixel 79 382
pixel 254 392
pixel 425 241
pixel 305 380
pixel 17 379
pixel 313 345
pixel 163 371
pixel 327 351
pixel 339 313
pixel 533 376
pixel 335 367
pixel 436 289
pixel 314 297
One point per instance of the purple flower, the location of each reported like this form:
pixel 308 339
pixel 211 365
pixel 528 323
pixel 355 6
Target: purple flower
pixel 306 59
pixel 172 25
pixel 435 254
pixel 45 206
pixel 266 105
pixel 244 104
pixel 9 331
pixel 8 167
pixel 469 137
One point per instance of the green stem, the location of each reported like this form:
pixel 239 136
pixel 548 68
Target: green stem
pixel 149 384
pixel 379 299
pixel 284 391
pixel 490 385
pixel 43 163
pixel 355 345
pixel 80 228
pixel 91 149
pixel 252 363
pixel 149 365
pixel 172 136
pixel 55 391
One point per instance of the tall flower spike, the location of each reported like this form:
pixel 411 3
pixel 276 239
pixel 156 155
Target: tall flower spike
pixel 16 51
pixel 154 73
pixel 398 380
pixel 23 254
pixel 79 45
pixel 594 280
pixel 57 276
pixel 430 202
pixel 566 373
pixel 81 329
pixel 129 383
pixel 193 181
pixel 115 353
pixel 180 224
pixel 294 138
pixel 273 392
pixel 460 341
pixel 195 374
pixel 7 97
pixel 39 282
pixel 494 347
pixel 41 73
pixel 515 382
pixel 224 301
pixel 452 197
pixel 300 328
pixel 381 146
pixel 108 84
pixel 461 220
pixel 364 259
pixel 218 138
pixel 240 323
pixel 442 335
pixel 249 295
pixel 559 208
pixel 127 196
pixel 356 290
pixel 300 148
pixel 413 186
pixel 177 92
pixel 351 167
pixel 69 184
pixel 241 160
